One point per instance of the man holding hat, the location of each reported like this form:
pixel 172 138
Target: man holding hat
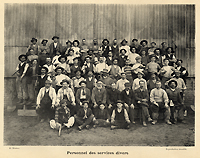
pixel 82 93
pixel 46 101
pixel 128 98
pixel 21 80
pixel 55 46
pixel 175 102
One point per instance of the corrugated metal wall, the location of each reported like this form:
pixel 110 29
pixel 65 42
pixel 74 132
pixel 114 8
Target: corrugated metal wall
pixel 77 21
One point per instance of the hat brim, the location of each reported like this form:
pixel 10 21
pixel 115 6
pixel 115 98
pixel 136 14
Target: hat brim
pixel 171 82
pixel 23 55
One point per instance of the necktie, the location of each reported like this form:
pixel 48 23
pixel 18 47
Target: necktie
pixel 83 92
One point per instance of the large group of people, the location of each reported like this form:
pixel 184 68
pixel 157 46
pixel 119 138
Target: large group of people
pixel 102 85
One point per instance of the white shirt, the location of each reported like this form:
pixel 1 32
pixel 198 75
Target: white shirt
pixel 55 45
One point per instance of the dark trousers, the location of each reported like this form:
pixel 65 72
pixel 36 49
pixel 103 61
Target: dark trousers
pixel 131 113
pixel 162 109
pixel 145 111
pixel 101 123
pixel 177 113
pixel 83 122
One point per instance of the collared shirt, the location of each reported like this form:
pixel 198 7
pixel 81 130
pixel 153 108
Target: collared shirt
pixel 136 83
pixel 132 57
pixel 83 96
pixel 55 44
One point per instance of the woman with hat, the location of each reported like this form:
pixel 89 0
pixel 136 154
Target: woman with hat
pixel 32 50
pixel 105 48
pixel 76 48
pixel 125 46
pixel 82 93
pixel 21 80
pixel 62 59
pixel 65 92
pixel 175 102
pixel 43 52
pixel 60 76
pixel 46 101
pixel 55 46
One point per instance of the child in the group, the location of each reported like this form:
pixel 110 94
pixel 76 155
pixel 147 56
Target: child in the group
pixel 84 116
pixel 76 48
pixel 55 46
pixel 119 117
pixel 136 82
pixel 62 117
pixel 46 101
pixel 101 117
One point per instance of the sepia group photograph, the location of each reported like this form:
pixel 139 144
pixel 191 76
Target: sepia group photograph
pixel 97 74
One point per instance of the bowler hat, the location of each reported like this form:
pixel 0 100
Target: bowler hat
pixel 55 37
pixel 22 55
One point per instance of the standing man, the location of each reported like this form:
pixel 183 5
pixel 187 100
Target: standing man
pixel 46 100
pixel 55 46
pixel 21 80
pixel 159 100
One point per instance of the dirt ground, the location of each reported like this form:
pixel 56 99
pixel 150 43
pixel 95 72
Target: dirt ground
pixel 23 131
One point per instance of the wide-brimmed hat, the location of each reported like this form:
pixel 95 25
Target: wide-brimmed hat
pixel 44 40
pixel 82 82
pixel 64 80
pixel 76 41
pixel 105 40
pixel 33 39
pixel 68 42
pixel 140 72
pixel 157 49
pixel 144 41
pixel 134 39
pixel 124 40
pixel 153 55
pixel 59 68
pixel 55 37
pixel 171 82
pixel 22 55
pixel 119 101
pixel 171 49
pixel 62 57
pixel 153 42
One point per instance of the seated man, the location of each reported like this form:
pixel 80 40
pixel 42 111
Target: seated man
pixel 159 100
pixel 128 99
pixel 119 118
pixel 98 95
pixel 84 116
pixel 120 83
pixel 175 102
pixel 46 100
pixel 142 100
pixel 66 93
pixel 82 94
pixel 102 117
pixel 106 79
pixel 62 117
